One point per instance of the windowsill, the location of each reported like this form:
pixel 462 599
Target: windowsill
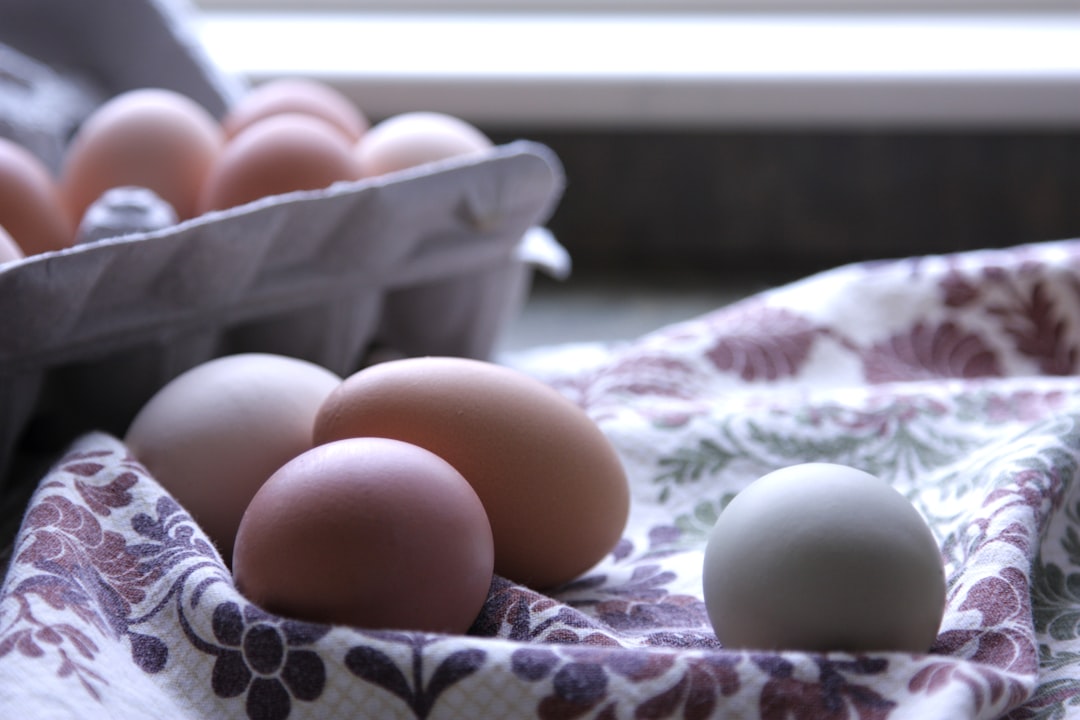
pixel 682 70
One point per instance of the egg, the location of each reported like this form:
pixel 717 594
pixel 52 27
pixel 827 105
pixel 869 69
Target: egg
pixel 823 557
pixel 152 138
pixel 296 95
pixel 279 154
pixel 368 532
pixel 552 485
pixel 214 434
pixel 417 138
pixel 9 250
pixel 31 208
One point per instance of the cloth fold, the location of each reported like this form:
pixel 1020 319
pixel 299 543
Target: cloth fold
pixel 951 377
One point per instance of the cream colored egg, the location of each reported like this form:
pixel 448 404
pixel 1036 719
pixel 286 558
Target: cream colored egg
pixel 822 557
pixel 416 138
pixel 552 485
pixel 9 250
pixel 213 435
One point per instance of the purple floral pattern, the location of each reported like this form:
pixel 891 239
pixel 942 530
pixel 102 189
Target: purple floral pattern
pixel 951 377
pixel 263 658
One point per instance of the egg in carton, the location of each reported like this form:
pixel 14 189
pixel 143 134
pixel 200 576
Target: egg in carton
pixel 434 260
pixel 59 59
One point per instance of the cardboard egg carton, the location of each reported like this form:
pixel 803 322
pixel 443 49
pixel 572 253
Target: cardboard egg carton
pixel 434 260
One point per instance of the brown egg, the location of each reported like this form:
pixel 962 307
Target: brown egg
pixel 9 250
pixel 152 138
pixel 416 138
pixel 553 487
pixel 214 434
pixel 279 154
pixel 296 95
pixel 31 209
pixel 368 532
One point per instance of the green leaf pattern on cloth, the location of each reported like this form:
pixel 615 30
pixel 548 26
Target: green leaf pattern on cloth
pixel 954 378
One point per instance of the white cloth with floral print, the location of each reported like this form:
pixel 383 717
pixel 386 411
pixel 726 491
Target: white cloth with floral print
pixel 951 377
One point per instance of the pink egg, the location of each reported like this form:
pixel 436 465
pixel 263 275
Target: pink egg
pixel 151 138
pixel 296 95
pixel 368 532
pixel 276 155
pixel 31 209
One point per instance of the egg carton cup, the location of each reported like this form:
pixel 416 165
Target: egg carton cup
pixel 429 261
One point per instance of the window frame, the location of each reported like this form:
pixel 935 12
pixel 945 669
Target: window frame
pixel 848 70
pixel 661 7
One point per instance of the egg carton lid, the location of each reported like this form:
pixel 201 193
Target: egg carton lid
pixel 60 59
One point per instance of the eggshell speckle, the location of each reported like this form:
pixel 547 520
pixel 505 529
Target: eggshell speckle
pixel 552 484
pixel 214 434
pixel 822 557
pixel 151 138
pixel 368 532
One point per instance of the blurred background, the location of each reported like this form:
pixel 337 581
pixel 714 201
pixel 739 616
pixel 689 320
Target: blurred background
pixel 716 147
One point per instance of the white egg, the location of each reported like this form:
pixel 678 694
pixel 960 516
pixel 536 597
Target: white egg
pixel 9 250
pixel 214 434
pixel 822 557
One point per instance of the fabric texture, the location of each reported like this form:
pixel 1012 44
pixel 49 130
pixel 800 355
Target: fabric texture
pixel 951 377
